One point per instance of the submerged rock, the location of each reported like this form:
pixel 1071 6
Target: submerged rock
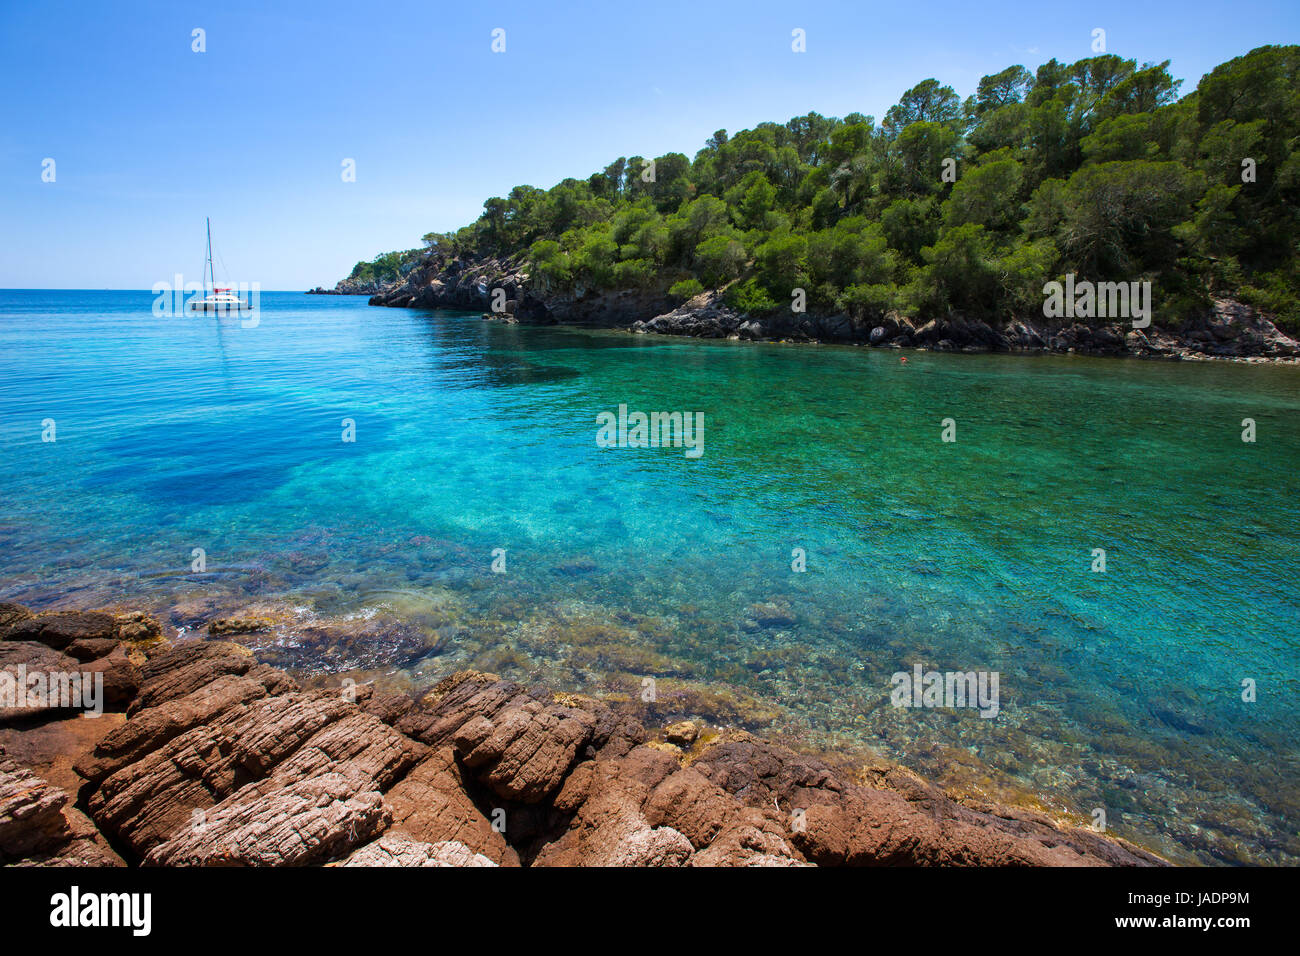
pixel 583 564
pixel 769 614
pixel 682 734
pixel 239 625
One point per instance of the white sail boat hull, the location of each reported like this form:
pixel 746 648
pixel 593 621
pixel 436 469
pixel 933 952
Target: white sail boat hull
pixel 219 302
pixel 219 299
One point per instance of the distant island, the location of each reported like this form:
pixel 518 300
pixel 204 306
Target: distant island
pixel 941 227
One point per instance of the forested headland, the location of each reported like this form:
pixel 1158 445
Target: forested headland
pixel 1098 168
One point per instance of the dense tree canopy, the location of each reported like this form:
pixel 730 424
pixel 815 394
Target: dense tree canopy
pixel 386 267
pixel 1095 167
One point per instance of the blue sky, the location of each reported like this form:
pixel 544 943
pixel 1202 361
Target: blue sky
pixel 148 137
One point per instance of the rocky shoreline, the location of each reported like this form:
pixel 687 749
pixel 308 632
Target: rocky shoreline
pixel 1230 330
pixel 207 756
pixel 349 287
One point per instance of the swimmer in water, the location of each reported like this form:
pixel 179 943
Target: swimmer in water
pixel 902 360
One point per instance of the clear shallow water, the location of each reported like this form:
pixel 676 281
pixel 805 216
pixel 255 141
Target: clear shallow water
pixel 1118 690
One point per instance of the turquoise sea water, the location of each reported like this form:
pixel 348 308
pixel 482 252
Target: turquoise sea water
pixel 1119 690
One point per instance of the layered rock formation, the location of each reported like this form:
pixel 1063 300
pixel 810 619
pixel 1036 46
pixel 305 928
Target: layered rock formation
pixel 1229 330
pixel 222 760
pixel 39 826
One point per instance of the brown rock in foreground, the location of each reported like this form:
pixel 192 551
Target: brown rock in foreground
pixel 432 804
pixel 31 812
pixel 226 761
pixel 393 849
pixel 58 661
pixel 39 827
pixel 903 821
pixel 230 773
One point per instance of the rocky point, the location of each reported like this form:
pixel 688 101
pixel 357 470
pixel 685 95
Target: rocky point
pixel 504 289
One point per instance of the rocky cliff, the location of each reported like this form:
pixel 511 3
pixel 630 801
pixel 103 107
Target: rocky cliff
pixel 472 285
pixel 1228 330
pixel 352 287
pixel 217 759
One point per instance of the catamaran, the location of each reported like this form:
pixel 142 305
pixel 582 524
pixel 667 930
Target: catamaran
pixel 220 298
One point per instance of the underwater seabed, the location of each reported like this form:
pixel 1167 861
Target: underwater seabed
pixel 372 558
pixel 768 660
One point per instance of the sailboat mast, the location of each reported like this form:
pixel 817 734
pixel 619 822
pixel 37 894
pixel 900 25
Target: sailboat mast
pixel 211 271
